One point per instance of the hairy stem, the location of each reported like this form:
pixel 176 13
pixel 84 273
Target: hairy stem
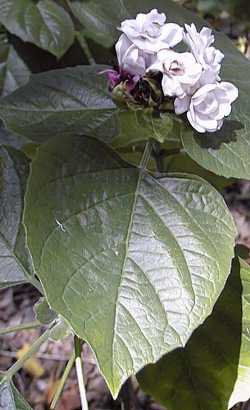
pixel 84 45
pixel 34 348
pixel 63 380
pixel 146 155
pixel 79 372
pixel 24 326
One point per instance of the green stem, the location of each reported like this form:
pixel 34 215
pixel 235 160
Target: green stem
pixel 34 348
pixel 18 328
pixel 146 155
pixel 79 372
pixel 63 381
pixel 83 43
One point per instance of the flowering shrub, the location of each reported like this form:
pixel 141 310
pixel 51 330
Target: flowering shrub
pixel 111 200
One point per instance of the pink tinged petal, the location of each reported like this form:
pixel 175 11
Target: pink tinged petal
pixel 157 66
pixel 206 36
pixel 224 111
pixel 129 27
pixel 171 34
pixel 121 47
pixel 194 124
pixel 201 93
pixel 171 87
pixel 232 92
pixel 206 122
pixel 208 76
pixel 181 105
pixel 209 106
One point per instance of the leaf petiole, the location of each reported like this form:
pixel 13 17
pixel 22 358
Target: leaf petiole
pixel 34 348
pixel 24 326
pixel 63 381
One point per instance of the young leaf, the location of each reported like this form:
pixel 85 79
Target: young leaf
pixel 212 372
pixel 43 23
pixel 15 263
pixel 10 398
pixel 141 260
pixel 13 71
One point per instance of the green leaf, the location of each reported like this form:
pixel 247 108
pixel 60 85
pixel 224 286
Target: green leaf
pixel 12 140
pixel 61 330
pixel 43 23
pixel 181 162
pixel 77 101
pixel 13 71
pixel 133 127
pixel 43 312
pixel 141 261
pixel 100 19
pixel 10 398
pixel 15 262
pixel 213 371
pixel 227 152
pixel 72 100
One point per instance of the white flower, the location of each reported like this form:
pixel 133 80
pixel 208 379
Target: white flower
pixel 208 106
pixel 131 59
pixel 180 72
pixel 149 32
pixel 209 57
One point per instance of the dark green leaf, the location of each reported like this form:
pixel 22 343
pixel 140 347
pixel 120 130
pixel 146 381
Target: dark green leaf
pixel 43 23
pixel 77 100
pixel 15 263
pixel 73 100
pixel 213 371
pixel 13 71
pixel 181 162
pixel 10 398
pixel 12 140
pixel 141 260
pixel 99 18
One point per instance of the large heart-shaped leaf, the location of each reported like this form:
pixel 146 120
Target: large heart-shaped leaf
pixel 10 398
pixel 133 263
pixel 13 71
pixel 43 23
pixel 15 263
pixel 212 372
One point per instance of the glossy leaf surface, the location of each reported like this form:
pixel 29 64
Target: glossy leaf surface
pixel 43 23
pixel 141 260
pixel 15 263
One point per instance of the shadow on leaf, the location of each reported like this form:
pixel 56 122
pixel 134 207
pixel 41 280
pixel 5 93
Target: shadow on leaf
pixel 226 134
pixel 203 374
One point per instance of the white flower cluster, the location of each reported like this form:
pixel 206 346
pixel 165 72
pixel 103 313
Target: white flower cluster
pixel 192 78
